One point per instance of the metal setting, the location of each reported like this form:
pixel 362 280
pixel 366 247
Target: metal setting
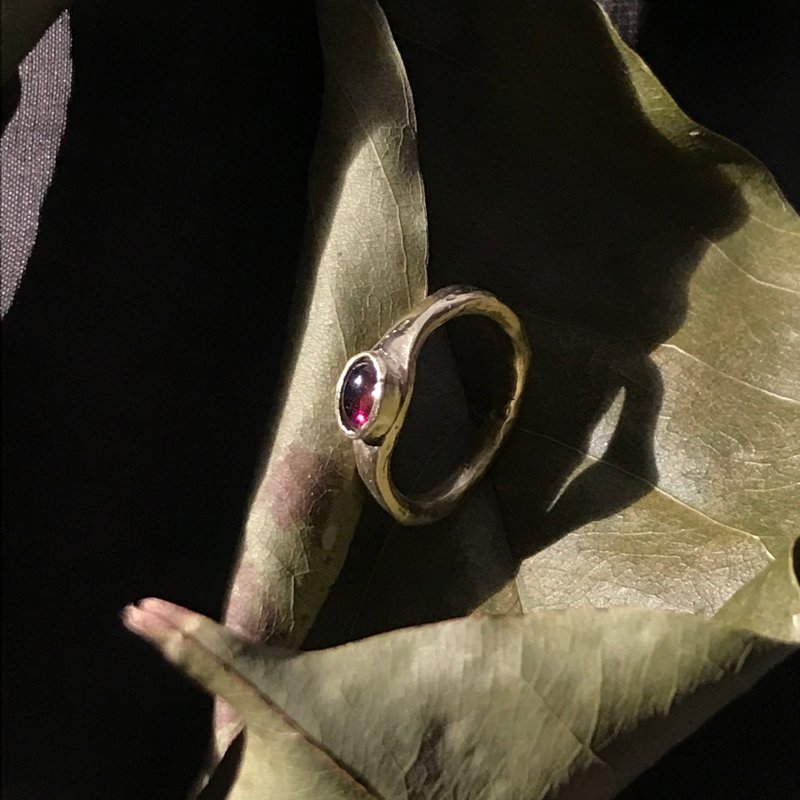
pixel 393 360
pixel 386 398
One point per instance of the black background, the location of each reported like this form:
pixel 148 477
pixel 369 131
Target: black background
pixel 143 350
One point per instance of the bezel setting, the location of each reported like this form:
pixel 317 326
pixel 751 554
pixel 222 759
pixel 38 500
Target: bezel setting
pixel 383 410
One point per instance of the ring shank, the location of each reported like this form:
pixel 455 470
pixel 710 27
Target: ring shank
pixel 400 348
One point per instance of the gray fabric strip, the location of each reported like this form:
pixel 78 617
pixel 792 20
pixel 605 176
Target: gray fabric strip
pixel 28 150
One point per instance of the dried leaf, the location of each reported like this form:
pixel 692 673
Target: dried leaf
pixel 657 269
pixel 366 258
pixel 474 708
pixel 366 265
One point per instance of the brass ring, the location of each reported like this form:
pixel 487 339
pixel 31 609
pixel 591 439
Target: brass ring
pixel 374 392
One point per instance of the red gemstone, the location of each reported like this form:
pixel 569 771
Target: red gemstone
pixel 358 393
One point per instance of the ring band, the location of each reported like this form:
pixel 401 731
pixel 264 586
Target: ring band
pixel 375 388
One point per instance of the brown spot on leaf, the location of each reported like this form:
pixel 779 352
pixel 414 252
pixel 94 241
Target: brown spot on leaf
pixel 299 489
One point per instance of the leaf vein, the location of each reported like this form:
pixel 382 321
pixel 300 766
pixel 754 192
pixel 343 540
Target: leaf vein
pixel 727 375
pixel 744 272
pixel 653 486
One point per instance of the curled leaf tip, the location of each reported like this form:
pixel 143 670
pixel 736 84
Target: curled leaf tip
pixel 152 618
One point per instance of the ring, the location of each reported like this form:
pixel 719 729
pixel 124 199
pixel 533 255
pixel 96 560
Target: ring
pixel 375 388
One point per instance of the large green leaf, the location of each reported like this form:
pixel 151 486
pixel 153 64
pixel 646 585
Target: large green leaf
pixel 657 270
pixel 365 265
pixel 492 707
pixel 654 466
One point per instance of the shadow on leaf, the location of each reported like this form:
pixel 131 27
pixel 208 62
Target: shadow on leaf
pixel 548 185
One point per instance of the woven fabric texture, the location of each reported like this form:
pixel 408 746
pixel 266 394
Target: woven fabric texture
pixel 28 150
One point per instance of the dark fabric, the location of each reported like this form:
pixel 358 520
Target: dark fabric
pixel 142 352
pixel 11 94
pixel 735 68
pixel 141 355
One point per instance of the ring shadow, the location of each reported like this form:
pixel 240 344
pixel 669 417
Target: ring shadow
pixel 560 196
